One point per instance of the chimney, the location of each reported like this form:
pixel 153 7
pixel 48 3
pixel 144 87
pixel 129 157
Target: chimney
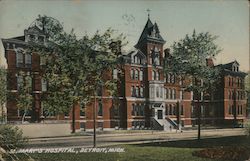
pixel 210 62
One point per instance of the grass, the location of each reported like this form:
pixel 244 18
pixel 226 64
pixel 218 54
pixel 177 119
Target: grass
pixel 164 151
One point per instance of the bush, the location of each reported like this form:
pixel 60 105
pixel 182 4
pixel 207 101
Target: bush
pixel 247 129
pixel 11 137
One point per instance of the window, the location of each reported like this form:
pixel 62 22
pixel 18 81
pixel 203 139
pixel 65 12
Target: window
pixel 192 110
pixel 133 110
pixel 229 81
pixel 115 74
pixel 136 75
pixel 168 78
pixel 44 84
pixel 19 58
pixel 142 110
pixel 19 82
pixel 230 110
pixel 132 74
pixel 166 93
pixel 41 39
pixel 170 112
pixel 42 60
pixel 27 60
pixel 141 75
pixel 166 110
pixel 141 92
pixel 152 92
pixel 173 94
pixel 170 94
pixel 172 78
pixel 136 91
pixel 161 92
pixel 132 91
pixel 182 110
pixel 157 92
pixel 136 59
pixel 32 37
pixel 229 95
pixel 157 75
pixel 153 75
pixel 28 81
pixel 82 109
pixel 100 108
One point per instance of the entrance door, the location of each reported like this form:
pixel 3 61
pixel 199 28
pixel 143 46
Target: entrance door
pixel 159 114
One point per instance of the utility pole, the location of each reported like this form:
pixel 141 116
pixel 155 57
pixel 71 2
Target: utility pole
pixel 94 121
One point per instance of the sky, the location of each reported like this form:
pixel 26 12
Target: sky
pixel 228 19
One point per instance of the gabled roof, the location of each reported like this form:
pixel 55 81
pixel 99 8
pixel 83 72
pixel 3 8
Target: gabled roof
pixel 227 69
pixel 229 65
pixel 135 52
pixel 35 29
pixel 147 33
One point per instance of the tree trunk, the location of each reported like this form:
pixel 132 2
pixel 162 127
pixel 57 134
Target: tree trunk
pixel 199 119
pixel 178 115
pixel 73 119
pixel 23 117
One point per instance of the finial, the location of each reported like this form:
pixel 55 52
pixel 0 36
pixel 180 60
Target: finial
pixel 148 10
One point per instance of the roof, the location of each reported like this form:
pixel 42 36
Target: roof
pixel 229 65
pixel 150 32
pixel 227 69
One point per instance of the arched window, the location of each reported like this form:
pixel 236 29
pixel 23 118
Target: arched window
pixel 28 58
pixel 19 58
pixel 132 74
pixel 141 75
pixel 153 75
pixel 157 75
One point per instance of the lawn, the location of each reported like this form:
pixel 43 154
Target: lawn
pixel 165 151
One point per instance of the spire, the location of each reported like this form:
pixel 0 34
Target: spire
pixel 148 10
pixel 150 32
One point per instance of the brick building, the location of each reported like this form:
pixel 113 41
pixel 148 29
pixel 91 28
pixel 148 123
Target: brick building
pixel 147 99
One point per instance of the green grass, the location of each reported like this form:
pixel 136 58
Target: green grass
pixel 133 153
pixel 165 151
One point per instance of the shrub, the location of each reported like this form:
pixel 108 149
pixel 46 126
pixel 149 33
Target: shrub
pixel 247 129
pixel 11 137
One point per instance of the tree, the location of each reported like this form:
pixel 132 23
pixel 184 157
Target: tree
pixel 3 91
pixel 189 59
pixel 24 98
pixel 75 67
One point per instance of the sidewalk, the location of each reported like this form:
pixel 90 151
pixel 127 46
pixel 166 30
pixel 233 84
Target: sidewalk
pixel 129 133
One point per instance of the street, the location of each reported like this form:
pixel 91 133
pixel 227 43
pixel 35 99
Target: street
pixel 128 138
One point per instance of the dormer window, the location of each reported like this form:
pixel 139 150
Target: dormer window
pixel 31 37
pixel 235 67
pixel 41 39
